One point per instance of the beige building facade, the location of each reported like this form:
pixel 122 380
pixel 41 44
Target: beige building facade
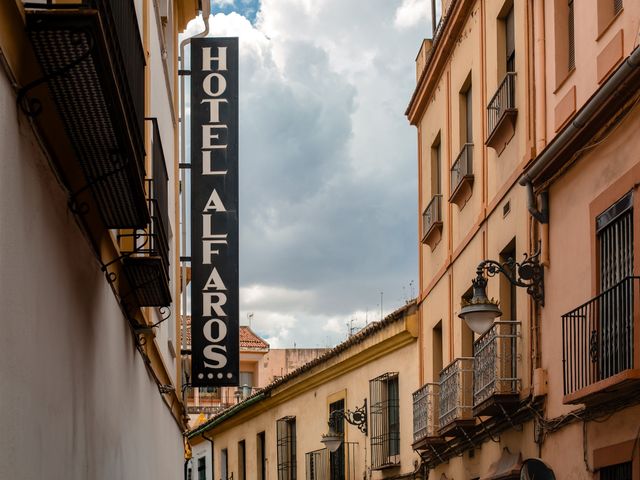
pixel 89 242
pixel 277 433
pixel 525 113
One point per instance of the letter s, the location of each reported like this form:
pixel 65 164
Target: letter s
pixel 210 353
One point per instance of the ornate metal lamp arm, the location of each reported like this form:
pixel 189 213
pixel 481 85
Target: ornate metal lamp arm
pixel 357 417
pixel 528 274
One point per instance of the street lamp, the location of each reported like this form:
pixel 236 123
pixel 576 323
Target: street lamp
pixel 333 439
pixel 480 311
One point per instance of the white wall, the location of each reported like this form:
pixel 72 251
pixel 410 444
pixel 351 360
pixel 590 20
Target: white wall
pixel 75 399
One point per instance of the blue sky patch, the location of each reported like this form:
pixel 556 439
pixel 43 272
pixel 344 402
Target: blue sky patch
pixel 246 8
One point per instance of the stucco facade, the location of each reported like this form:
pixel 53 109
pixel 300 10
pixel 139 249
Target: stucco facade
pixel 89 388
pixel 587 164
pixel 553 174
pixel 346 376
pixel 473 110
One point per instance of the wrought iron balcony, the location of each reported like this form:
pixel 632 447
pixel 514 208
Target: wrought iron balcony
pixel 432 221
pixel 462 175
pixel 146 251
pixel 324 465
pixel 426 416
pixel 599 345
pixel 456 396
pixel 502 112
pixel 495 382
pixel 215 399
pixel 93 63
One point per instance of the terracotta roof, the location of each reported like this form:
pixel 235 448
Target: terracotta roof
pixel 248 339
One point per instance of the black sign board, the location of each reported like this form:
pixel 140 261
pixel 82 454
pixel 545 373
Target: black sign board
pixel 214 212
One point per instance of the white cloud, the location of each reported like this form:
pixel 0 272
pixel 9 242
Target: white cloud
pixel 328 187
pixel 223 3
pixel 411 13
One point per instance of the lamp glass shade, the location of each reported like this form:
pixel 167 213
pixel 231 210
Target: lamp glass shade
pixel 479 316
pixel 332 441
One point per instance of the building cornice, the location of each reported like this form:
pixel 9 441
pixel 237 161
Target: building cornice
pixel 453 21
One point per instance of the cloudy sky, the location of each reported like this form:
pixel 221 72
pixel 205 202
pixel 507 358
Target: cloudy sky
pixel 328 169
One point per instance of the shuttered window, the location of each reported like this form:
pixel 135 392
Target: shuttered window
pixel 571 32
pixel 617 6
pixel 385 421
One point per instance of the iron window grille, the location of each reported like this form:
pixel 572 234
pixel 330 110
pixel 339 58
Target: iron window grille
pixel 385 421
pixel 316 464
pixel 425 412
pixel 571 46
pixel 286 448
pixel 456 391
pixel 617 6
pixel 494 362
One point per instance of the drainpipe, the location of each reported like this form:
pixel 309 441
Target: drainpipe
pixel 206 11
pixel 540 75
pixel 211 442
pixel 590 108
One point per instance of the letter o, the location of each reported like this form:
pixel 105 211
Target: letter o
pixel 222 330
pixel 222 84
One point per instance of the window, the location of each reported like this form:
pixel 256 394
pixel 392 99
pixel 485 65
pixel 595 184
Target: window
pixel 385 421
pixel 571 62
pixel 317 464
pixel 286 448
pixel 261 456
pixel 246 378
pixel 436 350
pixel 614 229
pixel 466 125
pixel 242 463
pixel 202 468
pixel 508 289
pixel 510 42
pixel 436 167
pixel 621 471
pixel 224 464
pixel 336 459
pixel 607 11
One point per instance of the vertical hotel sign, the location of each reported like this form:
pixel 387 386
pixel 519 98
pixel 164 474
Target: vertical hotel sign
pixel 214 212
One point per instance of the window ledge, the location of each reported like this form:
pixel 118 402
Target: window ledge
pixel 608 25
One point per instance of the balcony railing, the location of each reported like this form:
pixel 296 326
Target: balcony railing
pixel 147 250
pixel 323 465
pixel 462 170
pixel 502 105
pixel 92 57
pixel 426 416
pixel 216 399
pixel 456 394
pixel 495 382
pixel 599 341
pixel 432 217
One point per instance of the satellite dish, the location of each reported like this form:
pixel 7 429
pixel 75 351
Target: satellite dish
pixel 536 469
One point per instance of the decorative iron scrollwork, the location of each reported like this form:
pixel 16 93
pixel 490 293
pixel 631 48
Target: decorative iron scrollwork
pixel 528 274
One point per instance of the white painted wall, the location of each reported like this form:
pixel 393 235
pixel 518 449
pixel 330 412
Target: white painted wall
pixel 75 399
